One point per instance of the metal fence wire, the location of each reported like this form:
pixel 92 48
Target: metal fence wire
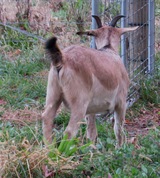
pixel 137 48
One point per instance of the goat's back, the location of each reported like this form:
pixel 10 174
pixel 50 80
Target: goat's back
pixel 106 66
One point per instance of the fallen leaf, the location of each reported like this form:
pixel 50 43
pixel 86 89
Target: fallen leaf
pixel 109 175
pixel 46 172
pixel 25 143
pixel 128 121
pixel 2 102
pixel 14 53
pixel 145 157
pixel 134 141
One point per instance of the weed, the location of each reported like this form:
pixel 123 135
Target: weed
pixel 22 152
pixel 127 161
pixel 149 91
pixel 62 118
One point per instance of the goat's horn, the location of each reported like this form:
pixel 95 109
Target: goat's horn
pixel 98 20
pixel 114 21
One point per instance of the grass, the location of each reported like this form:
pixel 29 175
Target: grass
pixel 149 91
pixel 128 161
pixel 24 155
pixel 22 84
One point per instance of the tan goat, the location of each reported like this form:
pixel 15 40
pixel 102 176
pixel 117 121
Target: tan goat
pixel 88 81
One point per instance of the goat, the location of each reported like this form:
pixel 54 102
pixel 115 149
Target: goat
pixel 88 81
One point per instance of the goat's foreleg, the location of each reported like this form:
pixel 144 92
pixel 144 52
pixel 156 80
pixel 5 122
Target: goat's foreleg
pixel 91 127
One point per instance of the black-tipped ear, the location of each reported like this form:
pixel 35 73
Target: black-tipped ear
pixel 115 20
pixel 89 33
pixel 98 20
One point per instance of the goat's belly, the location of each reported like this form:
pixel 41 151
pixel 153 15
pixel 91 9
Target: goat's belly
pixel 102 102
pixel 101 99
pixel 101 108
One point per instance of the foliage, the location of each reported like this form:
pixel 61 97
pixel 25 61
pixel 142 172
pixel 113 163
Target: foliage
pixel 78 11
pixel 127 161
pixel 15 39
pixel 149 91
pixel 111 10
pixel 24 155
pixel 20 67
pixel 157 9
pixel 21 90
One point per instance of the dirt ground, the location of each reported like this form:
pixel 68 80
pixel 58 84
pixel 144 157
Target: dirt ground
pixel 146 120
pixel 38 14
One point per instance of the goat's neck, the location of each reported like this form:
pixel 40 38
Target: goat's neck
pixel 114 44
pixel 108 48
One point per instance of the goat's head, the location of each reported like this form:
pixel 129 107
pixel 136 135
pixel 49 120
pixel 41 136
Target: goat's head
pixel 107 35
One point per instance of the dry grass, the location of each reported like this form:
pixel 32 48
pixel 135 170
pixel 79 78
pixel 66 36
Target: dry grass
pixel 20 115
pixel 32 158
pixel 20 155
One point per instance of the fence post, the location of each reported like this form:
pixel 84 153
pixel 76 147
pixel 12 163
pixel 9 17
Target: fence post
pixel 123 24
pixel 95 7
pixel 151 36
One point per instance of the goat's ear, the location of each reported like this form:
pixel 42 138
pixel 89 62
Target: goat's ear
pixel 89 33
pixel 127 29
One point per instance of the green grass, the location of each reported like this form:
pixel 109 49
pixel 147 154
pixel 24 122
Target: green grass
pixel 15 39
pixel 21 81
pixel 128 161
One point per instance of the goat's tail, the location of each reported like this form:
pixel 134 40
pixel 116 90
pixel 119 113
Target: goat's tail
pixel 54 52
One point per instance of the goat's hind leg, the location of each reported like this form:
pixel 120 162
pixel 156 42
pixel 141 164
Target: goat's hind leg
pixel 53 101
pixel 48 116
pixel 119 117
pixel 78 113
pixel 73 125
pixel 91 127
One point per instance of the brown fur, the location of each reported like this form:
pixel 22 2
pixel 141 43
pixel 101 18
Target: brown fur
pixel 88 64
